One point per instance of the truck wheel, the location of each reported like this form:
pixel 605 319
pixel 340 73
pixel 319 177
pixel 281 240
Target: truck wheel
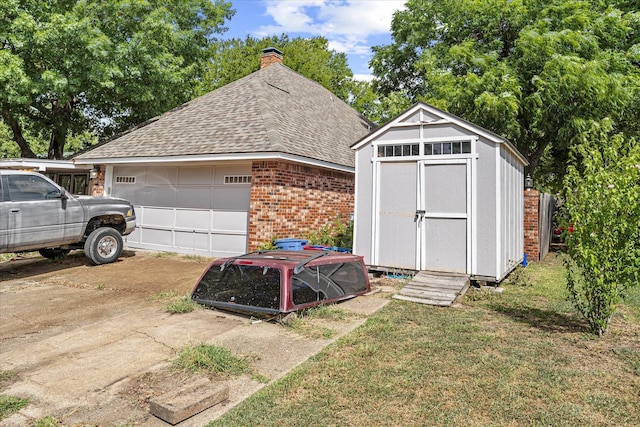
pixel 103 246
pixel 54 253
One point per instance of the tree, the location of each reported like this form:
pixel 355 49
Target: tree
pixel 378 109
pixel 528 70
pixel 71 66
pixel 602 201
pixel 311 57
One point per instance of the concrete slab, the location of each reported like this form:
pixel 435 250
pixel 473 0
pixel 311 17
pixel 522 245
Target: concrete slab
pixel 89 346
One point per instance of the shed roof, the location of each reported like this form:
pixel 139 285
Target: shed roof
pixel 274 109
pixel 439 117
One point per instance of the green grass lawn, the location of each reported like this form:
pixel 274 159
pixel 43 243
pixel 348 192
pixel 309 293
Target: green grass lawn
pixel 517 358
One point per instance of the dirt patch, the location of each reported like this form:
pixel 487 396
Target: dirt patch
pixel 90 345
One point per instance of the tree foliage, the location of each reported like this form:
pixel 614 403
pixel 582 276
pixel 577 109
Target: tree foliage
pixel 235 58
pixel 71 66
pixel 529 70
pixel 602 200
pixel 379 109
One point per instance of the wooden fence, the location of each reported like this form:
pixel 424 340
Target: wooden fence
pixel 546 207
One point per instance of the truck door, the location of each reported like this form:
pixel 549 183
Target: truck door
pixel 35 213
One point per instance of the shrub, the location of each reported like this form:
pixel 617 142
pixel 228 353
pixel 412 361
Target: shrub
pixel 602 193
pixel 337 232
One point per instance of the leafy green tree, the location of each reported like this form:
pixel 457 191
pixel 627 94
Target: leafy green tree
pixel 67 67
pixel 528 70
pixel 602 200
pixel 311 57
pixel 378 109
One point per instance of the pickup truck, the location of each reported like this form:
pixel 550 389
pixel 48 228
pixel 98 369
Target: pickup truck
pixel 37 214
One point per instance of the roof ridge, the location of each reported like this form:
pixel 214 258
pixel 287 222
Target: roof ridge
pixel 269 121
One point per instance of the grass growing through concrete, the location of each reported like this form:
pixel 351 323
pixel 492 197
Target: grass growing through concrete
pixel 174 303
pixel 182 305
pixel 49 421
pixel 11 404
pixel 211 359
pixel 309 323
pixel 518 358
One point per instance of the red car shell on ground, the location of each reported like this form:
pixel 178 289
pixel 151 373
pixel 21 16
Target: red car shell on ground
pixel 278 282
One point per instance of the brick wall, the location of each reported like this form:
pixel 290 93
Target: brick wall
pixel 531 224
pixel 289 199
pixel 96 186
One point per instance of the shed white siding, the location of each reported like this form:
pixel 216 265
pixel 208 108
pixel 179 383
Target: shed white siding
pixel 436 192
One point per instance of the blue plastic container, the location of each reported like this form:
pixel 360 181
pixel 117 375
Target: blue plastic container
pixel 524 260
pixel 291 244
pixel 339 249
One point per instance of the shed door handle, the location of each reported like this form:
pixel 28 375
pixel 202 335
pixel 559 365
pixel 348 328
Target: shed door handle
pixel 14 210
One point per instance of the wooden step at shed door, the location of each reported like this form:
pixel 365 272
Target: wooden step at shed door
pixel 433 288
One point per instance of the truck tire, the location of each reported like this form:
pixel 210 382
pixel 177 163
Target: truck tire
pixel 54 253
pixel 103 246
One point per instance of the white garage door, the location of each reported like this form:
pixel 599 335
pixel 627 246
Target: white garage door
pixel 192 209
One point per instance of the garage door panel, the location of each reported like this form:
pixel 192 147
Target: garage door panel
pixel 158 237
pixel 156 217
pixel 159 196
pixel 192 219
pixel 200 175
pixel 236 198
pixel 161 176
pixel 134 237
pixel 229 221
pixel 193 197
pixel 133 193
pixel 228 243
pixel 192 240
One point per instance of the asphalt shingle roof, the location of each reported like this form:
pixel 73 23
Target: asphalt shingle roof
pixel 274 109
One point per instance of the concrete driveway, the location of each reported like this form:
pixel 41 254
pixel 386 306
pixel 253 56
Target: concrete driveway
pixel 90 345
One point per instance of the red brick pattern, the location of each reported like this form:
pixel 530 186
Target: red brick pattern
pixel 531 227
pixel 289 199
pixel 96 186
pixel 270 58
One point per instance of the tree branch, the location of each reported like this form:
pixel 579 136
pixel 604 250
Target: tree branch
pixel 18 138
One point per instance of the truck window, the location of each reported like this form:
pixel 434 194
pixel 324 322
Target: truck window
pixel 246 285
pixel 327 281
pixel 29 187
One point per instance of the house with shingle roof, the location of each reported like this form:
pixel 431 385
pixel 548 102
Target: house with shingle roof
pixel 265 156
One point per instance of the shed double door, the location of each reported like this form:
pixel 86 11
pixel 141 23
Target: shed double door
pixel 424 215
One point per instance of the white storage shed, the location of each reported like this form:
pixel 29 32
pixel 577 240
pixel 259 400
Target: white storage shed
pixel 435 192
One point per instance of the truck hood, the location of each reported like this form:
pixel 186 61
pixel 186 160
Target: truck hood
pixel 99 200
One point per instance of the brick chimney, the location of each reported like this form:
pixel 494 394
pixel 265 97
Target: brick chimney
pixel 270 55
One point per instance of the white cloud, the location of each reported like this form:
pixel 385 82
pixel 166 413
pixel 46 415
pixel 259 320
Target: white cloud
pixel 347 24
pixel 363 77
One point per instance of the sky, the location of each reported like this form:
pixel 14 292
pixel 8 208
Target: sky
pixel 351 26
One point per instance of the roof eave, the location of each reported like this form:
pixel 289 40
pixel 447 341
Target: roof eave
pixel 228 157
